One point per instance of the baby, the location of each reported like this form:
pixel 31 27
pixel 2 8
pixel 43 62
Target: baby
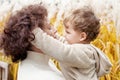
pixel 79 60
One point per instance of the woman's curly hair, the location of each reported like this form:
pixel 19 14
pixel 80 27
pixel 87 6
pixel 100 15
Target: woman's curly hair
pixel 17 34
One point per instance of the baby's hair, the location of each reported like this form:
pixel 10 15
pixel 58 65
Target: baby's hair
pixel 84 20
pixel 17 34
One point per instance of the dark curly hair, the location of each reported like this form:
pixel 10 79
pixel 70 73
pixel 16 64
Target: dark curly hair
pixel 84 20
pixel 17 34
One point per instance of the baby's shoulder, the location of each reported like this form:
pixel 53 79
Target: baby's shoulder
pixel 84 49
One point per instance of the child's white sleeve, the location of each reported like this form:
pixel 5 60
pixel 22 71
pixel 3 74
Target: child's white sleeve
pixel 68 54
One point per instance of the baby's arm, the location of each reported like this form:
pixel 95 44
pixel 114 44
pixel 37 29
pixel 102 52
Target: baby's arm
pixel 70 54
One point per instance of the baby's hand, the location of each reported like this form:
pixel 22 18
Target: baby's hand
pixel 53 32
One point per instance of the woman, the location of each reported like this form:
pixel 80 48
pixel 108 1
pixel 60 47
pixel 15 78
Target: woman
pixel 16 42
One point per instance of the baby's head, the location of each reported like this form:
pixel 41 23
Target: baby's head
pixel 81 26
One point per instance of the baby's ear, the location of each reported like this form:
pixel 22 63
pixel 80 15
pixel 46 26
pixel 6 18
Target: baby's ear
pixel 83 36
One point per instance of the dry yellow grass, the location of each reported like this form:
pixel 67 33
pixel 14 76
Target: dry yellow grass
pixel 109 43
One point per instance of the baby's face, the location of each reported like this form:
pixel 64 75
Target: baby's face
pixel 72 36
